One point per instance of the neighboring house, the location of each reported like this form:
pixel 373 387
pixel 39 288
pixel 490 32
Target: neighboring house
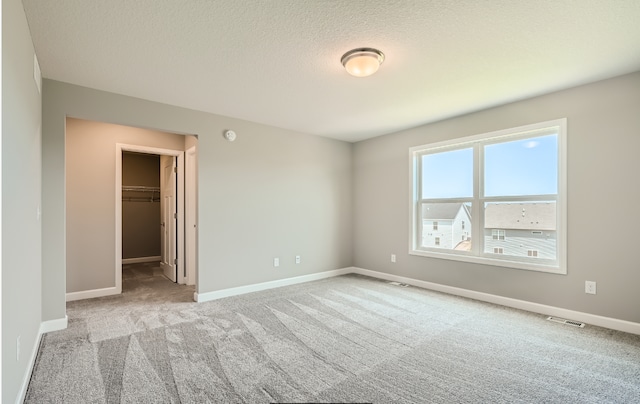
pixel 446 225
pixel 521 229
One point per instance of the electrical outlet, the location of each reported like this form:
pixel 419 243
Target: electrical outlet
pixel 298 259
pixel 276 262
pixel 18 349
pixel 590 287
pixel 393 258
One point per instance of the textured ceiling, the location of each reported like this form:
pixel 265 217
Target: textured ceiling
pixel 277 62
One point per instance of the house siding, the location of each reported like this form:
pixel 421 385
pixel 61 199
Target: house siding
pixel 459 233
pixel 517 243
pixel 450 231
pixel 445 232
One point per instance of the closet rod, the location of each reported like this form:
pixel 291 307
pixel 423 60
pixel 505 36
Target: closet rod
pixel 140 188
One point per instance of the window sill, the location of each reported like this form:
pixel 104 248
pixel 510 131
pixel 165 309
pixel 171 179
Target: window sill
pixel 512 264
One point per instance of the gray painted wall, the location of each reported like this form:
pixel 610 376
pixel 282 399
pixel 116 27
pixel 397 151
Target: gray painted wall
pixel 603 123
pixel 90 197
pixel 21 183
pixel 271 193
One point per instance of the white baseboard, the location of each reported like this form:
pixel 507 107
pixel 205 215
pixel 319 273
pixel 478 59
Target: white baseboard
pixel 45 327
pixel 89 294
pixel 54 325
pixel 139 260
pixel 607 322
pixel 240 290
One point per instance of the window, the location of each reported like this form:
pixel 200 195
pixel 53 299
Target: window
pixel 478 189
pixel 497 234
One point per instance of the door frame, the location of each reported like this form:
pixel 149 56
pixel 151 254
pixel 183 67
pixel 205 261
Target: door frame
pixel 191 214
pixel 120 147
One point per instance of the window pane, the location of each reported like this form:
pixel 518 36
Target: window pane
pixel 522 167
pixel 447 174
pixel 442 226
pixel 521 229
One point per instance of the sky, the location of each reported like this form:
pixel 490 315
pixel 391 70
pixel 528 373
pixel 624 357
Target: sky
pixel 519 167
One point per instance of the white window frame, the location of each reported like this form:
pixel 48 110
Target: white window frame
pixel 477 254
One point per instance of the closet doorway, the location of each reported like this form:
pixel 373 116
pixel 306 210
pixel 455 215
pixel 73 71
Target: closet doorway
pixel 144 196
pixel 141 208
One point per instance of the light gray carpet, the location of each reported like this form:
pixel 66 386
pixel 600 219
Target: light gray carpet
pixel 345 339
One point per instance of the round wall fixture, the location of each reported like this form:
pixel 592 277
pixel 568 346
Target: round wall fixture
pixel 230 135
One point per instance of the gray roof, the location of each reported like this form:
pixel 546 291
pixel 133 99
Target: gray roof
pixel 441 211
pixel 521 216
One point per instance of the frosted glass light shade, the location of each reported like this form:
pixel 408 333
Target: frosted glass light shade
pixel 362 62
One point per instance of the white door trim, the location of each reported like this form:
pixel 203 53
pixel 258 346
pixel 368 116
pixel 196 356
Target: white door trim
pixel 191 214
pixel 182 279
pixel 120 147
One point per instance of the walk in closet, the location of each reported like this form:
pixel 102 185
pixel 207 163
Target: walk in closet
pixel 141 216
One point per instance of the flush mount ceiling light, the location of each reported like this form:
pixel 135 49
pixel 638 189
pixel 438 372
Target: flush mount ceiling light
pixel 362 62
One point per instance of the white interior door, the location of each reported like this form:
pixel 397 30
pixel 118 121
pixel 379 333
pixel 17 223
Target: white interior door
pixel 191 231
pixel 169 216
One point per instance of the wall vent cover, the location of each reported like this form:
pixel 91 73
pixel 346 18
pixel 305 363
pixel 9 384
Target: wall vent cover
pixel 565 321
pixel 404 285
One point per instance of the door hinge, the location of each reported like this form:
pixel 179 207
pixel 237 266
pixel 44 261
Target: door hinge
pixel 174 216
pixel 175 261
pixel 175 169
